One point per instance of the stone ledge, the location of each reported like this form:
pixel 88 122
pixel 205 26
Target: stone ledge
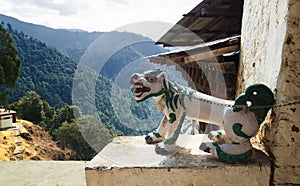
pixel 129 161
pixel 42 173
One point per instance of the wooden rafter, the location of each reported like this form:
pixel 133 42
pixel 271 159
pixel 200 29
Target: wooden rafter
pixel 210 54
pixel 206 20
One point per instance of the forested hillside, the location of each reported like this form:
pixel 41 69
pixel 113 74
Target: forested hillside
pixel 10 65
pixel 50 73
pixel 44 70
pixel 140 48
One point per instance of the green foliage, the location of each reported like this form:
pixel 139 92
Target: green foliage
pixel 95 133
pixel 124 114
pixel 69 136
pixel 64 114
pixel 31 108
pixel 48 111
pixel 44 70
pixel 9 64
pixel 63 126
pixel 84 135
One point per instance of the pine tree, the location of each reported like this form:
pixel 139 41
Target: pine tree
pixel 10 65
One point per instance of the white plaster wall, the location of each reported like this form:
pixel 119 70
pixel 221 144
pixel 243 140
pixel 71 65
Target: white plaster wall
pixel 270 53
pixel 263 33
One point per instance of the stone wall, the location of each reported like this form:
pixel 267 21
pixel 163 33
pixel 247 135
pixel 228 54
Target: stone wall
pixel 270 54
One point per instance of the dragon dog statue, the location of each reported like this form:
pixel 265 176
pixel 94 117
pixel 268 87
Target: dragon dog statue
pixel 240 119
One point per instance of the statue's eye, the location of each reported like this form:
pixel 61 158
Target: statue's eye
pixel 151 79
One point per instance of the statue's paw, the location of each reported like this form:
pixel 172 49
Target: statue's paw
pixel 205 147
pixel 209 148
pixel 149 139
pixel 214 134
pixel 152 139
pixel 165 149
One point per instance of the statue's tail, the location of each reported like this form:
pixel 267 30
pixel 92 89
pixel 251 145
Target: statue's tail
pixel 233 157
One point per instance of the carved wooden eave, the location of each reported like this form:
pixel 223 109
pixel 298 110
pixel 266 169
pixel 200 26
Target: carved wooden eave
pixel 208 21
pixel 206 52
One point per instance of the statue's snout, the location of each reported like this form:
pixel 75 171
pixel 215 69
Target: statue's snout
pixel 134 78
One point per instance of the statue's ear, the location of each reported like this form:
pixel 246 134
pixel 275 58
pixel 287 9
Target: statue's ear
pixel 163 78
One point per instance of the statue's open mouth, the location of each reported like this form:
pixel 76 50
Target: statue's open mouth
pixel 139 89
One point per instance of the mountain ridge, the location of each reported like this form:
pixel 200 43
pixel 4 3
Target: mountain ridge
pixel 63 39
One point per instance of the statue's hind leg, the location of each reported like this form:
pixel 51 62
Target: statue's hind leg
pixel 234 153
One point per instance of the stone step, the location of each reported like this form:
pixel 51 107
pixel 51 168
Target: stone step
pixel 18 143
pixel 17 132
pixel 18 150
pixel 19 156
pixel 16 139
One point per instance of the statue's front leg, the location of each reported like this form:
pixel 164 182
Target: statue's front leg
pixel 169 144
pixel 158 135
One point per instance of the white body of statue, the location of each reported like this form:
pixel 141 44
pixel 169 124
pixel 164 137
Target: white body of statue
pixel 177 102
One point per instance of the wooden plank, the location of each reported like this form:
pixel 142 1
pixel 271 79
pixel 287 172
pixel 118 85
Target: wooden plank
pixel 225 67
pixel 207 26
pixel 178 67
pixel 217 12
pixel 210 54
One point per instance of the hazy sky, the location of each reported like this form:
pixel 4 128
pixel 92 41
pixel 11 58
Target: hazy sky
pixel 95 15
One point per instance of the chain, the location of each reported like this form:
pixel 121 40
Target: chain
pixel 278 105
pixel 189 93
pixel 247 107
pixel 217 104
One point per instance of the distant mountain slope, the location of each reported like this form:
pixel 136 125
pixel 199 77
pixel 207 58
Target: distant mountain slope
pixel 139 48
pixel 44 70
pixel 50 73
pixel 73 43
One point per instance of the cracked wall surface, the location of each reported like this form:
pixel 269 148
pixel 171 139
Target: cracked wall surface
pixel 270 54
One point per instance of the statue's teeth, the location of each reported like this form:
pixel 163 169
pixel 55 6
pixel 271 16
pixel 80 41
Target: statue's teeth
pixel 137 86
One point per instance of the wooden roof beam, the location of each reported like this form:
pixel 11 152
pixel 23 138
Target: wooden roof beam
pixel 208 26
pixel 209 54
pixel 218 14
pixel 228 29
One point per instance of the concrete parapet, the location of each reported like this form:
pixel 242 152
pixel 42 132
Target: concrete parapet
pixel 129 161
